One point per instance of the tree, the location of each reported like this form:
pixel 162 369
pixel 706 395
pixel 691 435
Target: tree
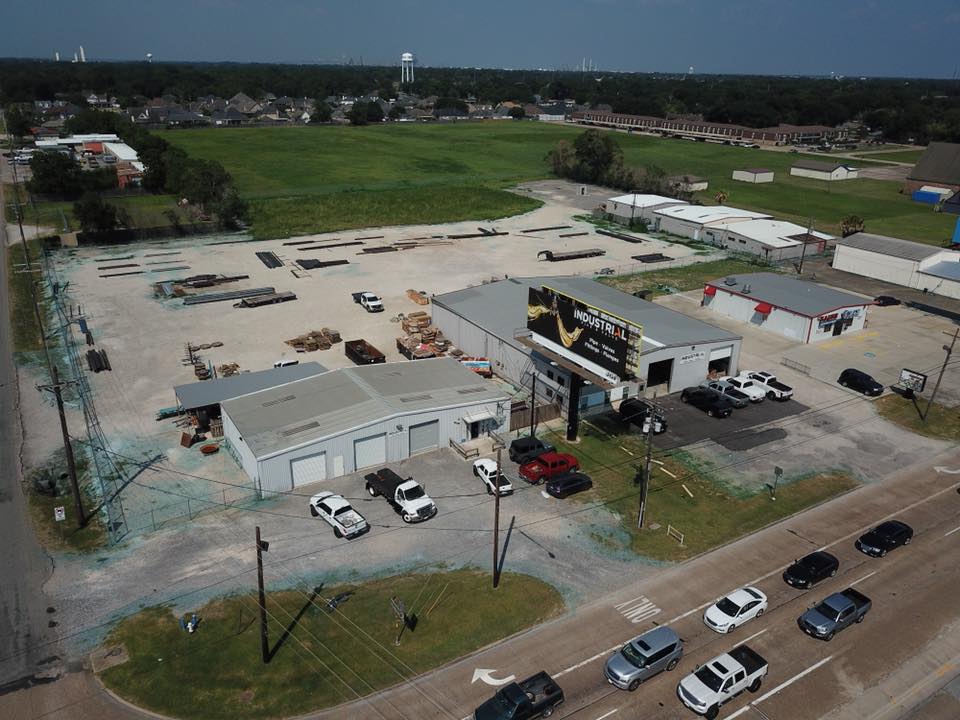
pixel 562 159
pixel 321 112
pixel 374 112
pixel 517 112
pixel 851 224
pixel 204 182
pixel 94 214
pixel 19 121
pixel 397 112
pixel 596 153
pixel 231 209
pixel 55 174
pixel 358 114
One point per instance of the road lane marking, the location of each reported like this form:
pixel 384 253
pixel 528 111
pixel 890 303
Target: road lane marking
pixel 863 578
pixel 755 635
pixel 688 613
pixel 588 660
pixel 608 714
pixel 781 686
pixel 952 532
pixel 638 609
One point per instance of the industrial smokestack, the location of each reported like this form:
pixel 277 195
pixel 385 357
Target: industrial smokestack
pixel 56 55
pixel 83 57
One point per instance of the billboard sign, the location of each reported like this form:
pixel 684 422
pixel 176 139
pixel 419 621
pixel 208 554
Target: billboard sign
pixel 595 339
pixel 912 380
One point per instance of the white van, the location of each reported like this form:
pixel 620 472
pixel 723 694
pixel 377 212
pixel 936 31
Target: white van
pixel 285 363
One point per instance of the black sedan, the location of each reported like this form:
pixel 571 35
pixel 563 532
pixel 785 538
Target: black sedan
pixel 860 381
pixel 884 537
pixel 885 300
pixel 569 484
pixel 710 401
pixel 808 571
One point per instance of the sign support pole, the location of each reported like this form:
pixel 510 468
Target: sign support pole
pixel 573 407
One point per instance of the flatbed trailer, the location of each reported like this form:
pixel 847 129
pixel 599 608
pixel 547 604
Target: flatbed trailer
pixel 552 256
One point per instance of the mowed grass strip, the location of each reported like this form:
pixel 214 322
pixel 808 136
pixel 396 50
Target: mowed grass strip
pixel 303 215
pixel 285 162
pixel 688 277
pixel 23 318
pixel 714 515
pixel 943 421
pixel 328 658
pixel 903 156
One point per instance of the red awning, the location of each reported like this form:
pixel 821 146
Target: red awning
pixel 709 290
pixel 764 308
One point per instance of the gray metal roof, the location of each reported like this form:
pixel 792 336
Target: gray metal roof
pixel 500 308
pixel 213 392
pixel 819 165
pixel 940 163
pixel 894 247
pixel 944 269
pixel 782 291
pixel 306 411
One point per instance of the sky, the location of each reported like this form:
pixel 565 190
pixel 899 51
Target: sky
pixel 770 37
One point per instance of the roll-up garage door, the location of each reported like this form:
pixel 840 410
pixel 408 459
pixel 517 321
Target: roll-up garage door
pixel 721 353
pixel 425 436
pixel 370 451
pixel 312 468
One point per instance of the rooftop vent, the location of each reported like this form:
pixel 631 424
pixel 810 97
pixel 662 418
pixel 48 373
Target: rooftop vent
pixel 731 281
pixel 284 399
pixel 415 398
pixel 467 391
pixel 300 428
pixel 746 289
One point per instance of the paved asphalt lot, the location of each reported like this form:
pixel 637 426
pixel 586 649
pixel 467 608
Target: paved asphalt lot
pixel 688 425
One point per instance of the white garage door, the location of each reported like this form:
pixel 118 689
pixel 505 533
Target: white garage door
pixel 721 353
pixel 370 451
pixel 312 468
pixel 425 436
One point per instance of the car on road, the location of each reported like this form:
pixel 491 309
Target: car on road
pixel 739 398
pixel 733 610
pixel 644 657
pixel 525 449
pixel 569 484
pixel 547 466
pixel 837 612
pixel 860 381
pixel 720 680
pixel 710 401
pixel 747 387
pixel 536 697
pixel 884 537
pixel 768 382
pixel 811 569
pixel 339 514
pixel 885 300
pixel 486 470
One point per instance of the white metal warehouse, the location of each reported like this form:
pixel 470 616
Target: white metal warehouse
pixel 799 310
pixel 628 208
pixel 341 421
pixel 692 221
pixel 901 262
pixel 677 350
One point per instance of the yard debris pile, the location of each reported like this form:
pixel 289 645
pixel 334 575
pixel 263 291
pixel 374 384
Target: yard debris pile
pixel 418 296
pixel 228 369
pixel 315 340
pixel 415 321
pixel 422 340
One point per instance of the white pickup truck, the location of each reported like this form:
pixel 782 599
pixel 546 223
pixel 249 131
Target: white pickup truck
pixel 722 679
pixel 486 470
pixel 768 382
pixel 406 497
pixel 339 514
pixel 368 301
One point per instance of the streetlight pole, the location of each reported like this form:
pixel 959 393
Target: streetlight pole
pixel 943 368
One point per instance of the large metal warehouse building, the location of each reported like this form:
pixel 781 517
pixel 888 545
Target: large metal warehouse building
pixel 902 262
pixel 341 421
pixel 799 310
pixel 692 221
pixel 677 351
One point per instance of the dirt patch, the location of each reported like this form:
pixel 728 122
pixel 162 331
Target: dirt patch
pixel 108 656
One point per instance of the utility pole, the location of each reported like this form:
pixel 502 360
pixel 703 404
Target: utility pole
pixel 645 476
pixel 496 522
pixel 803 250
pixel 56 389
pixel 262 547
pixel 943 368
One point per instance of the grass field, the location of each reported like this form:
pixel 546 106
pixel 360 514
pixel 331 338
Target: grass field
pixel 903 156
pixel 943 421
pixel 327 658
pixel 26 334
pixel 708 515
pixel 688 277
pixel 420 161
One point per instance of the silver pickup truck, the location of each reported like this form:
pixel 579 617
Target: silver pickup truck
pixel 838 612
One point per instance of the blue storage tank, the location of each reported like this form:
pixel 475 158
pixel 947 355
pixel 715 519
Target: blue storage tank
pixel 925 196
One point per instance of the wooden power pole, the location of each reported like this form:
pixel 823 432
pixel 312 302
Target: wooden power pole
pixel 56 388
pixel 262 547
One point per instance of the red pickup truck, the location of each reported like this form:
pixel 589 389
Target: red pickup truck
pixel 548 466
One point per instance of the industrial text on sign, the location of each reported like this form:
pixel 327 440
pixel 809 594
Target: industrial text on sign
pixel 614 328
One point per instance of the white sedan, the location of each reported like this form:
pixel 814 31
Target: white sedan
pixel 339 514
pixel 737 608
pixel 748 387
pixel 486 470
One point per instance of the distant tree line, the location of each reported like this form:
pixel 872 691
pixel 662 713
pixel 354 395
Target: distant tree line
pixel 903 109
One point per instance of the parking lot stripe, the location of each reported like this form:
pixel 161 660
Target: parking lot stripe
pixel 952 532
pixel 863 578
pixel 608 714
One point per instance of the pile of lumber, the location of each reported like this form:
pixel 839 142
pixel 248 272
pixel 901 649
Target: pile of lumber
pixel 413 349
pixel 315 340
pixel 418 296
pixel 228 369
pixel 415 322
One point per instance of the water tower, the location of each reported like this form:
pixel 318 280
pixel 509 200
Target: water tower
pixel 406 68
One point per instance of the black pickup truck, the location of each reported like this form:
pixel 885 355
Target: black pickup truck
pixel 536 697
pixel 363 353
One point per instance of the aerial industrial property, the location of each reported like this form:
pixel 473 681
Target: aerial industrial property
pixel 402 405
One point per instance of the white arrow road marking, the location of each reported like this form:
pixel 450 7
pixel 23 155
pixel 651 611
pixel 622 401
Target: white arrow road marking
pixel 486 674
pixel 948 471
pixel 638 609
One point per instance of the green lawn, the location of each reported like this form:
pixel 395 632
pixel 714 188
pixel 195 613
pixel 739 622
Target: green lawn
pixel 26 334
pixel 688 277
pixel 714 515
pixel 327 659
pixel 942 422
pixel 903 156
pixel 420 162
pixel 65 535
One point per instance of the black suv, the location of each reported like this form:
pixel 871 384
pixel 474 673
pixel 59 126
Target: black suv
pixel 884 537
pixel 710 401
pixel 639 412
pixel 525 449
pixel 860 381
pixel 808 571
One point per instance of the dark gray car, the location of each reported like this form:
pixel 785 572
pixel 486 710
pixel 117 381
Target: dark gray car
pixel 644 657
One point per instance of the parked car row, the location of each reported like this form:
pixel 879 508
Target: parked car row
pixel 721 679
pixel 719 398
